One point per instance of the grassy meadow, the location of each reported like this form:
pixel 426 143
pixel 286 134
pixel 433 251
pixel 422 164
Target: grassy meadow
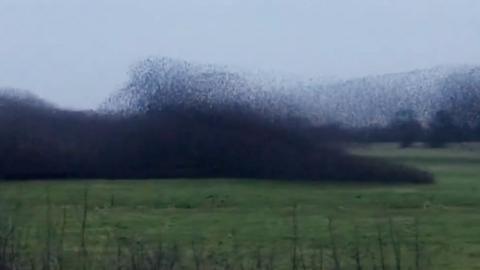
pixel 425 226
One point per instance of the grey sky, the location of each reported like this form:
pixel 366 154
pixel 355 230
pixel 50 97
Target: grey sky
pixel 76 52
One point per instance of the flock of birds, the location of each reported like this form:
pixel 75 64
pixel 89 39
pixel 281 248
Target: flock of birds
pixel 158 82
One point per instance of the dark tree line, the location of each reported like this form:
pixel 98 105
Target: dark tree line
pixel 176 119
pixel 406 129
pixel 178 141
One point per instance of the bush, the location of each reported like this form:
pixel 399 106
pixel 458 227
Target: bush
pixel 179 141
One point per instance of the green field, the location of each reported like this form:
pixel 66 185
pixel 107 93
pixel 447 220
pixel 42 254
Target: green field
pixel 258 215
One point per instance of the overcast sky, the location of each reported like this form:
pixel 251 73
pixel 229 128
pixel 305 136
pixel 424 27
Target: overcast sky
pixel 76 52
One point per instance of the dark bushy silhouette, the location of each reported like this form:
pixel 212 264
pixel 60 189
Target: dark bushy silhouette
pixel 442 130
pixel 406 128
pixel 178 141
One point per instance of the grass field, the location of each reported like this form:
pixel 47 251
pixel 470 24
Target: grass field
pixel 260 214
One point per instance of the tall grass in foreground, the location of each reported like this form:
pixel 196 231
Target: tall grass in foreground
pixel 394 246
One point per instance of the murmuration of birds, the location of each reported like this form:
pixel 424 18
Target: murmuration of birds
pixel 178 119
pixel 361 102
